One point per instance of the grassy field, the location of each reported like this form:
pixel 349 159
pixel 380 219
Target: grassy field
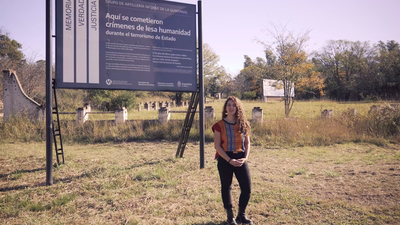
pixel 305 127
pixel 305 169
pixel 301 109
pixel 143 183
pixel 271 110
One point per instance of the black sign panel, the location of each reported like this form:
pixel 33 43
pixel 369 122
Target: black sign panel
pixel 126 44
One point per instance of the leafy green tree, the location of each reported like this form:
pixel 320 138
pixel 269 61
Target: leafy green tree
pixel 10 55
pixel 310 86
pixel 287 58
pixel 107 100
pixel 388 68
pixel 248 61
pixel 215 76
pixel 217 82
pixel 346 68
pixel 249 80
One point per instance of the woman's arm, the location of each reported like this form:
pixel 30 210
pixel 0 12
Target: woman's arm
pixel 247 147
pixel 217 146
pixel 247 151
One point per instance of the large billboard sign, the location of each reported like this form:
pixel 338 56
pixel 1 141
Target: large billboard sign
pixel 147 45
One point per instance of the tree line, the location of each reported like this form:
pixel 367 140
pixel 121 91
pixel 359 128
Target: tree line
pixel 342 70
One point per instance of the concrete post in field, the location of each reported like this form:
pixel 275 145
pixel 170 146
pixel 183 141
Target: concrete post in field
pixel 352 111
pixel 140 107
pixel 257 114
pixel 327 113
pixel 121 115
pixel 87 107
pixel 163 115
pixel 209 113
pixel 81 116
pixel 155 106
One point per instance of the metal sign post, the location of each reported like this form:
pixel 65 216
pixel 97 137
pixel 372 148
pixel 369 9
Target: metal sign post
pixel 49 130
pixel 201 82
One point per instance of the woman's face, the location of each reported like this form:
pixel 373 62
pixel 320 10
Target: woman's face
pixel 230 108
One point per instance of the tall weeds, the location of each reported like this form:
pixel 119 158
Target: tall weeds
pixel 381 122
pixel 300 132
pixel 378 126
pixel 20 128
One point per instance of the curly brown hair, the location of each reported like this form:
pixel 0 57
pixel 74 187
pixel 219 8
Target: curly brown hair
pixel 240 116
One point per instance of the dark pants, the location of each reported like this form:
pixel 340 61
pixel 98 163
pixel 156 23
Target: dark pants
pixel 242 174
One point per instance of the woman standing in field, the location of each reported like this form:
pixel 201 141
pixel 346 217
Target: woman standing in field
pixel 231 140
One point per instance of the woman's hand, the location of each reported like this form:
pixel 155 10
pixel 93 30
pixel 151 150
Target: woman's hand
pixel 237 162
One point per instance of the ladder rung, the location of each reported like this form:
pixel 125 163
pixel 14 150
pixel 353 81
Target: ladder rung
pixel 56 127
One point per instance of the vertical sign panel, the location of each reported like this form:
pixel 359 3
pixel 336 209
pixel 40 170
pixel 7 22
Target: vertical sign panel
pixel 94 76
pixel 81 42
pixel 145 45
pixel 68 41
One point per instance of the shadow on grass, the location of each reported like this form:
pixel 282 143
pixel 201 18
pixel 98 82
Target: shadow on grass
pixel 5 189
pixel 151 163
pixel 211 223
pixel 21 171
pixel 87 174
pixel 21 187
pixel 55 181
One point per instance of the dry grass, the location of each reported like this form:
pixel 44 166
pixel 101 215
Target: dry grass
pixel 301 109
pixel 142 183
pixel 271 110
pixel 379 129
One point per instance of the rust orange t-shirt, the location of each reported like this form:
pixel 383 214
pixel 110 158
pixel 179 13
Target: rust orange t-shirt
pixel 232 140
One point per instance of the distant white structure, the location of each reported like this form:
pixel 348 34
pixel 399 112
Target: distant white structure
pixel 273 90
pixel 16 101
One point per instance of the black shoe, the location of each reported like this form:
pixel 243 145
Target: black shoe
pixel 230 218
pixel 241 217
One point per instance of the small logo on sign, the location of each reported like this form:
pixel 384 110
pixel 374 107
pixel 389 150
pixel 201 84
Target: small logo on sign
pixel 179 84
pixel 108 82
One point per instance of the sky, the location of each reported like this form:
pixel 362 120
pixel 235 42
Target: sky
pixel 231 27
